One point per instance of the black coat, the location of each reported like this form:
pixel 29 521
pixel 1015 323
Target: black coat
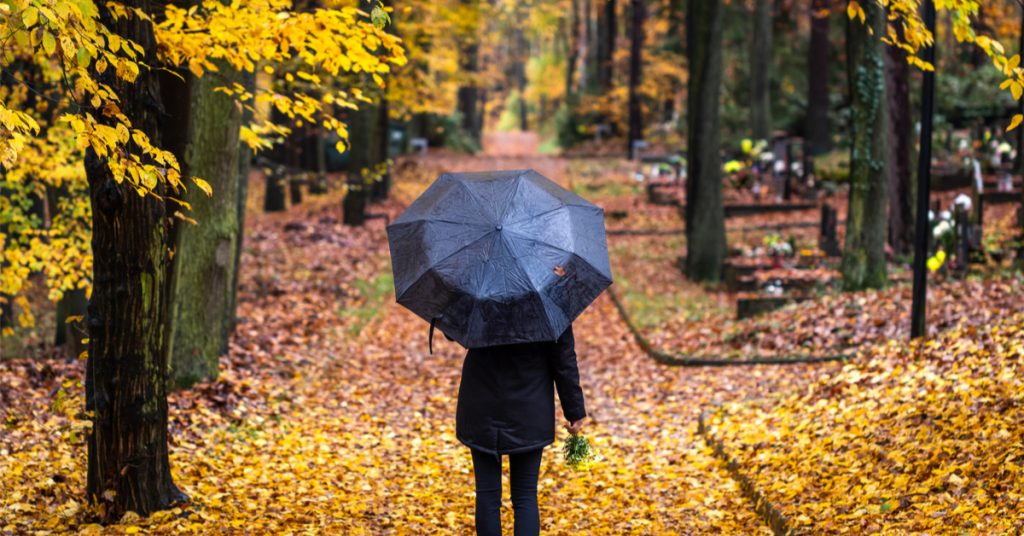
pixel 507 398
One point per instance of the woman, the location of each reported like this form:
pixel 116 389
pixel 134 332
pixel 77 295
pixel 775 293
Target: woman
pixel 507 406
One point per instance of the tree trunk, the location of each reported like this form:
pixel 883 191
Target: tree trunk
pixel 900 192
pixel 864 252
pixel 816 129
pixel 203 270
pixel 468 96
pixel 381 144
pixel 574 53
pixel 273 199
pixel 588 56
pixel 72 304
pixel 126 374
pixel 636 124
pixel 705 214
pixel 760 71
pixel 363 127
pixel 606 35
pixel 520 56
pixel 316 160
pixel 244 164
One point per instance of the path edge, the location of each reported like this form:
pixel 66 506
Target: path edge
pixel 681 360
pixel 769 513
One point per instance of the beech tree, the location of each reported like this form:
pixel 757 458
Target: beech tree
pixel 111 117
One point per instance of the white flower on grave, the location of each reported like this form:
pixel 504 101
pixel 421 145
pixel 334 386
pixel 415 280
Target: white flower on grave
pixel 943 228
pixel 963 201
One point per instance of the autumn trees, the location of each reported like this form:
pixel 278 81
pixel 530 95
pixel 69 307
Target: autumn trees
pixel 143 87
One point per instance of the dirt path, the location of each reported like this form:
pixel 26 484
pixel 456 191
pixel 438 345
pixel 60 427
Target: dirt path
pixel 657 477
pixel 315 429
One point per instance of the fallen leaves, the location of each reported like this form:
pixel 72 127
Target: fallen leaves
pixel 313 429
pixel 923 438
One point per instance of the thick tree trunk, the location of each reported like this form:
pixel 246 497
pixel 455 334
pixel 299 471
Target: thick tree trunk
pixel 606 35
pixel 760 71
pixel 705 214
pixel 203 270
pixel 126 374
pixel 636 120
pixel 816 128
pixel 901 190
pixel 864 252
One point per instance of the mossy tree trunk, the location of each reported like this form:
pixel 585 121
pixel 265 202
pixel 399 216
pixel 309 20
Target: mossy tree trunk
pixel 245 156
pixel 705 214
pixel 816 127
pixel 203 271
pixel 863 263
pixel 760 71
pixel 126 373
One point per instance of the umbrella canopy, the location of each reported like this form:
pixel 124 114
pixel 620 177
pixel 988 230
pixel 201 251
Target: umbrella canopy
pixel 499 257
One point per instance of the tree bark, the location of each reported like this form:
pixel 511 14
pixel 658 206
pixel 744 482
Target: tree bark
pixel 468 97
pixel 126 374
pixel 381 143
pixel 524 55
pixel 636 120
pixel 203 270
pixel 863 263
pixel 606 35
pixel 705 214
pixel 245 155
pixel 574 53
pixel 760 71
pixel 363 127
pixel 900 192
pixel 816 129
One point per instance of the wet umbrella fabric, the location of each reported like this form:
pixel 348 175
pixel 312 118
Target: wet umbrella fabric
pixel 499 257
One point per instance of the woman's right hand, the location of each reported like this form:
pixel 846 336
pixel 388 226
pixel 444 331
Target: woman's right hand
pixel 575 427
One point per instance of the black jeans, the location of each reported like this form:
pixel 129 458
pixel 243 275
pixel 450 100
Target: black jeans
pixel 524 468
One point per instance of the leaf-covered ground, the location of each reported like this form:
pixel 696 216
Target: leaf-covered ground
pixel 314 429
pixel 922 439
pixel 330 416
pixel 683 317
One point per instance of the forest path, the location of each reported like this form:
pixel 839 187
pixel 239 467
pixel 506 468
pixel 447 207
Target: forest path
pixel 331 417
pixel 657 476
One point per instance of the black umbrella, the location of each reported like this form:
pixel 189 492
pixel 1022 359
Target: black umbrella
pixel 499 258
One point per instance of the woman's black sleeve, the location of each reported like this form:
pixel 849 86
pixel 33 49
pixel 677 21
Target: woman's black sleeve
pixel 562 362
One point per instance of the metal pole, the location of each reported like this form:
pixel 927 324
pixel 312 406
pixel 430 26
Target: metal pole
pixel 924 168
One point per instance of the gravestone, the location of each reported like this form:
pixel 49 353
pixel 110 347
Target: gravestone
pixel 828 239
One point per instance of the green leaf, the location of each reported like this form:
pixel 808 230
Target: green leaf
pixel 84 57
